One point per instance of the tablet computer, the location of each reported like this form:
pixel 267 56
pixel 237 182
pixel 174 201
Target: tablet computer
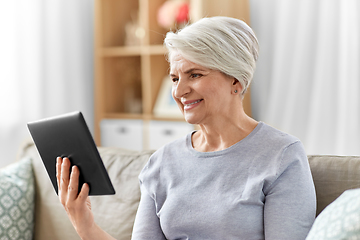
pixel 68 136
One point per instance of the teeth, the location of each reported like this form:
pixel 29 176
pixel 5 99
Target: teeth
pixel 193 103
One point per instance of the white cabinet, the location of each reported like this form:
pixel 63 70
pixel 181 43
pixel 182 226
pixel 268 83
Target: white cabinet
pixel 122 133
pixel 139 135
pixel 162 132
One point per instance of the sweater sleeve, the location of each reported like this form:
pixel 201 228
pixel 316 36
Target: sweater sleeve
pixel 147 223
pixel 290 202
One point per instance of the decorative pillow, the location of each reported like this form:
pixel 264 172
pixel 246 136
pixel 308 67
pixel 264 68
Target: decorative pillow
pixel 17 201
pixel 339 220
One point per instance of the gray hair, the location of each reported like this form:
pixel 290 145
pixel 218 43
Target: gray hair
pixel 225 44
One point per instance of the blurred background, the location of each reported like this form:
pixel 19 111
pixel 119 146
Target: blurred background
pixel 46 65
pixel 307 81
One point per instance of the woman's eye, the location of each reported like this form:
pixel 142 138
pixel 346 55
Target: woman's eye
pixel 174 79
pixel 195 75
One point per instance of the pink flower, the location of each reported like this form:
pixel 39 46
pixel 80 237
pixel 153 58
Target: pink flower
pixel 183 13
pixel 173 11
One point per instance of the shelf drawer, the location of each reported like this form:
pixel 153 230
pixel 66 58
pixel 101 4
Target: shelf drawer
pixel 121 133
pixel 162 132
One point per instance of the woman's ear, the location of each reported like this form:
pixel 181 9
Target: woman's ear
pixel 237 88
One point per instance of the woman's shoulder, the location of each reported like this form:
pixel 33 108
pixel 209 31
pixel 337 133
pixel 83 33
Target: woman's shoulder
pixel 274 145
pixel 272 136
pixel 279 152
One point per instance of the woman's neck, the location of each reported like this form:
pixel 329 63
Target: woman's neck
pixel 222 133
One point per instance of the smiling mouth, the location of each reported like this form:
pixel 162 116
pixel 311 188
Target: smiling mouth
pixel 191 105
pixel 194 102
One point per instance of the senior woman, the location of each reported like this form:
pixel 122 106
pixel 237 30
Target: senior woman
pixel 234 178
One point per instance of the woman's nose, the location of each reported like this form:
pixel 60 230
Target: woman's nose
pixel 181 88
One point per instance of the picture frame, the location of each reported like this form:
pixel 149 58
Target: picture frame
pixel 165 105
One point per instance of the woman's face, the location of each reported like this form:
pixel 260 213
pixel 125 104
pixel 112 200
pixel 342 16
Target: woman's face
pixel 203 95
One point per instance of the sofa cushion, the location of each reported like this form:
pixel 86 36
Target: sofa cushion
pixel 332 176
pixel 17 200
pixel 339 220
pixel 51 221
pixel 114 213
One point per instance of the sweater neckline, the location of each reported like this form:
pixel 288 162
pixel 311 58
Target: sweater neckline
pixel 220 152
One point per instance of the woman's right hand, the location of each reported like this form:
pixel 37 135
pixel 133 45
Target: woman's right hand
pixel 77 206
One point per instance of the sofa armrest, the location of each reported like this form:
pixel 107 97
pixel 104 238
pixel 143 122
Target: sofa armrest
pixel 332 176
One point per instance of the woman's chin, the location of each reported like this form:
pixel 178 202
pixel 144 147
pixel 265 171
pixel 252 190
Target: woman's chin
pixel 191 119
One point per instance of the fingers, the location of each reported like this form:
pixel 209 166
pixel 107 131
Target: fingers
pixel 58 170
pixel 63 171
pixel 65 174
pixel 68 183
pixel 84 193
pixel 73 184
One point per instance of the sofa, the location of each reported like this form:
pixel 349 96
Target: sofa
pixel 115 213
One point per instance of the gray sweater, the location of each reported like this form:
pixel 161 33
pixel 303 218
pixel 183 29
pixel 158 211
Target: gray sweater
pixel 259 188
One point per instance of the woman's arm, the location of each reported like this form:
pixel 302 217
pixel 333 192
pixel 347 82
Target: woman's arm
pixel 147 223
pixel 78 207
pixel 290 202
